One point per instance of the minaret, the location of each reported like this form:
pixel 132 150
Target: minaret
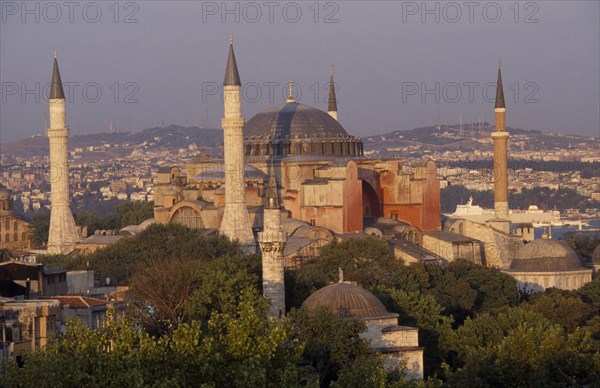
pixel 500 138
pixel 62 235
pixel 272 243
pixel 332 101
pixel 235 223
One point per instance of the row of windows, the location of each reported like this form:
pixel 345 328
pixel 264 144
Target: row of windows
pixel 14 223
pixel 15 237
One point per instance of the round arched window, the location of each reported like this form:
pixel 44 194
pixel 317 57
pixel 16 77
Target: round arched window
pixel 189 217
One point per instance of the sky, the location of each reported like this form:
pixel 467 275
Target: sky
pixel 397 65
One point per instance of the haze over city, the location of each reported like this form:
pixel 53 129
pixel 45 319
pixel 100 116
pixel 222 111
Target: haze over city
pixel 398 65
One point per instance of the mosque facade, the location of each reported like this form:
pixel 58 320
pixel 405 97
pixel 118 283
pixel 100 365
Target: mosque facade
pixel 323 178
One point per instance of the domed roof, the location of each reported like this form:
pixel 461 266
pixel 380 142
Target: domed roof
pixel 348 301
pixel 546 255
pixel 596 255
pixel 293 119
pixel 289 225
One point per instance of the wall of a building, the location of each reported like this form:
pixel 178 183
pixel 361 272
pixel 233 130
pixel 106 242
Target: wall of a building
pixel 539 281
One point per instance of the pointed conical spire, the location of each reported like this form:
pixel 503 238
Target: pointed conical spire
pixel 332 101
pixel 232 77
pixel 56 88
pixel 499 89
pixel 272 192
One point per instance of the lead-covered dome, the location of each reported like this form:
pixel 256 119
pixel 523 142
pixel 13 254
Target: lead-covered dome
pixel 546 256
pixel 293 119
pixel 295 129
pixel 348 301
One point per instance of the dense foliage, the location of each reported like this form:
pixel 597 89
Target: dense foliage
pixel 122 214
pixel 543 197
pixel 584 244
pixel 197 318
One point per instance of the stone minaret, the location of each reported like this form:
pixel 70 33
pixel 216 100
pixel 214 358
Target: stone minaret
pixel 332 101
pixel 272 243
pixel 235 223
pixel 500 138
pixel 63 233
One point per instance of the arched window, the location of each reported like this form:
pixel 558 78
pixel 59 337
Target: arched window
pixel 188 217
pixel 16 237
pixel 7 224
pixel 15 225
pixel 24 236
pixel 7 237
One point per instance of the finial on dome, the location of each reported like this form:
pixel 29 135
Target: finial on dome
pixel 291 93
pixel 341 275
pixel 231 38
pixel 500 63
pixel 54 53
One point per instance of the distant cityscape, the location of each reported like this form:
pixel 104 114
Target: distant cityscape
pixel 120 166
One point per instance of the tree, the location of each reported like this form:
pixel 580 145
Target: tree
pixel 522 348
pixel 422 311
pixel 562 307
pixel 160 291
pixel 366 261
pixel 465 288
pixel 157 242
pixel 241 349
pixel 332 344
pixel 40 225
pixel 126 213
pixel 584 245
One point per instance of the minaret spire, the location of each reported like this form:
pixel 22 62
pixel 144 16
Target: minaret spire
pixel 235 223
pixel 500 139
pixel 62 233
pixel 499 89
pixel 272 241
pixel 232 76
pixel 272 191
pixel 332 101
pixel 56 87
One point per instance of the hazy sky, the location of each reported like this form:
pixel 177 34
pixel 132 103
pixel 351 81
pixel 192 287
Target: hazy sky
pixel 398 64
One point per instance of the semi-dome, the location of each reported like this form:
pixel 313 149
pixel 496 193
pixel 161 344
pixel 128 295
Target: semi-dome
pixel 294 129
pixel 546 255
pixel 596 256
pixel 347 300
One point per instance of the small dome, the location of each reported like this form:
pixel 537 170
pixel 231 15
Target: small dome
pixel 546 256
pixel 348 301
pixel 289 225
pixel 147 223
pixel 293 119
pixel 596 256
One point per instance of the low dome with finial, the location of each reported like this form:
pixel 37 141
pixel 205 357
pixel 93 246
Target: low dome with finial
pixel 347 300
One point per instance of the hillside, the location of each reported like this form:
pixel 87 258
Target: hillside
pixel 414 142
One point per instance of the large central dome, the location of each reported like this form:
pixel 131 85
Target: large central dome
pixel 293 119
pixel 295 129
